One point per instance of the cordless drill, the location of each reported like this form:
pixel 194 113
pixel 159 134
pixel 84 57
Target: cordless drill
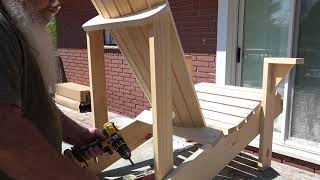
pixel 114 142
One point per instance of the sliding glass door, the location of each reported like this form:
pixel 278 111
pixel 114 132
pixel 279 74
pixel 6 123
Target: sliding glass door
pixel 263 32
pixel 305 122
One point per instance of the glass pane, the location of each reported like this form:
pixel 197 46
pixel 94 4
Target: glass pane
pixel 265 34
pixel 266 27
pixel 306 107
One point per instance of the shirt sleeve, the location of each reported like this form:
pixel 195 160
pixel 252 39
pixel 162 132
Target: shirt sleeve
pixel 10 66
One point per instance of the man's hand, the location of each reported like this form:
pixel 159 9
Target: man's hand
pixel 89 135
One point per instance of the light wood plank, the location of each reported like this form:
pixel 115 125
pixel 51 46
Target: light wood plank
pixel 110 7
pixel 222 126
pixel 97 78
pixel 161 93
pixel 138 5
pixel 74 91
pixel 229 92
pixel 123 7
pixel 236 88
pixel 231 110
pixel 222 117
pixel 99 5
pixel 273 60
pixel 197 166
pixel 70 103
pixel 155 2
pixel 243 103
pixel 200 135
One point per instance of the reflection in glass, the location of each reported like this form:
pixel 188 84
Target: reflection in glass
pixel 265 34
pixel 306 107
pixel 266 25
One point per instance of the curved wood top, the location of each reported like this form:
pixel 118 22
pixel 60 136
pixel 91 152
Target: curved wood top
pixel 118 8
pixel 140 18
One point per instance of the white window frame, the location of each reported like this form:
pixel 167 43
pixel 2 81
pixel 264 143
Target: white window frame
pixel 109 41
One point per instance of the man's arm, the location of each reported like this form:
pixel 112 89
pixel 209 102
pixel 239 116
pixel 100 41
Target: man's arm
pixel 25 154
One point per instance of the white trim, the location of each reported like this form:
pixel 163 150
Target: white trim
pixel 226 41
pixel 221 54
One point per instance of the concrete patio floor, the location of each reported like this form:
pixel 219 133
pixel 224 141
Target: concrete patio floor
pixel 242 167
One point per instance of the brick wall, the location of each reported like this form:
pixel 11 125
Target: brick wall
pixel 196 25
pixel 124 94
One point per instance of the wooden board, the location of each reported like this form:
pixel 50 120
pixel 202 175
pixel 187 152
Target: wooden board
pixel 97 78
pixel 161 93
pixel 226 100
pixel 133 43
pixel 225 109
pixel 70 103
pixel 200 135
pixel 74 91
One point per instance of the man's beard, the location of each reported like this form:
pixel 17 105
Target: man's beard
pixel 33 25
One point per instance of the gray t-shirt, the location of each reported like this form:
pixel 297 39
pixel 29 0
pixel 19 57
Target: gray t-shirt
pixel 21 84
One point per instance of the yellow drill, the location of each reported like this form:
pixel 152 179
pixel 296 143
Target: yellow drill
pixel 114 142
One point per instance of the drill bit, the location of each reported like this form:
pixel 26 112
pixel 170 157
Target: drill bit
pixel 131 162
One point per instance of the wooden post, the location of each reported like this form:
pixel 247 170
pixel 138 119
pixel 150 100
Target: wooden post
pixel 274 71
pixel 161 95
pixel 97 77
pixel 266 126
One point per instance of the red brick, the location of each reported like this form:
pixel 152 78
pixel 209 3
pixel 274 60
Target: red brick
pixel 205 69
pixel 129 96
pixel 129 80
pixel 116 70
pixel 116 61
pixel 140 107
pixel 201 75
pixel 113 65
pixel 137 94
pixel 128 87
pixel 200 63
pixel 124 91
pixel 204 58
pixel 118 94
pixel 138 102
pixel 125 75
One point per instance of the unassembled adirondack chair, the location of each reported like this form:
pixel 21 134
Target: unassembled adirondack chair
pixel 223 118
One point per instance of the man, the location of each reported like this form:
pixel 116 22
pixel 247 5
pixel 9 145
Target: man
pixel 31 126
